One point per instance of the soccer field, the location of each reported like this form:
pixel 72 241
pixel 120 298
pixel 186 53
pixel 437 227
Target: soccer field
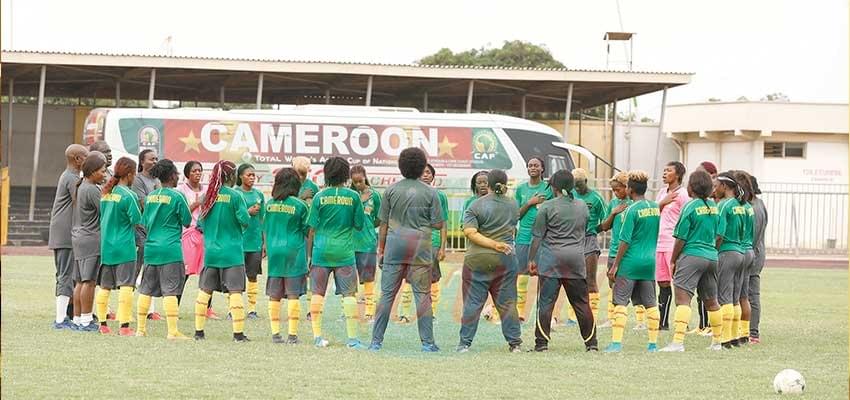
pixel 804 327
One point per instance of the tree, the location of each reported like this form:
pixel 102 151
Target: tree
pixel 713 100
pixel 778 96
pixel 516 53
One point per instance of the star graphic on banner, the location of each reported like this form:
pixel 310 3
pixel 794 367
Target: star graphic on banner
pixel 447 147
pixel 190 142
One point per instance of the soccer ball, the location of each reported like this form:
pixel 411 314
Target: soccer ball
pixel 789 381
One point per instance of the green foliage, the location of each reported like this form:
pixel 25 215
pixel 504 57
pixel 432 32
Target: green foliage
pixel 515 53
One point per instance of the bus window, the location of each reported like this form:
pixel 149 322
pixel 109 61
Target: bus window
pixel 531 143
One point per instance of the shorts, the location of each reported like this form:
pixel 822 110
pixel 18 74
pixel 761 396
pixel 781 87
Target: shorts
pixel 591 246
pixel 253 264
pixel 729 266
pixel 742 291
pixel 436 273
pixel 163 280
pixel 86 269
pixel 367 264
pixel 280 288
pixel 641 293
pixel 522 258
pixel 345 280
pixel 116 276
pixel 662 266
pixel 696 274
pixel 63 259
pixel 225 280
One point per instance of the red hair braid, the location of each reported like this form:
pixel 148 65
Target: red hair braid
pixel 220 172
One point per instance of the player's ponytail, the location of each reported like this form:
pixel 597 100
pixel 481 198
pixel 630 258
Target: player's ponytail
pixel 728 179
pixel 562 181
pixel 700 185
pixel 124 167
pixel 164 170
pixel 222 172
pixel 498 181
pixel 745 185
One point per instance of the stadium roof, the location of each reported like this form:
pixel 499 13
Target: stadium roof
pixel 185 78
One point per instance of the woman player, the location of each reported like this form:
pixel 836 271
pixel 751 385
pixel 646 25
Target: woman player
pixel 438 240
pixel 596 209
pixel 223 219
pixel 192 240
pixel 742 284
pixel 336 213
pixel 694 262
pixel 366 239
pixel 142 186
pixel 166 214
pixel 730 238
pixel 557 256
pixel 119 215
pixel 285 228
pixel 85 240
pixel 528 196
pixel 252 242
pixel 633 270
pixel 489 265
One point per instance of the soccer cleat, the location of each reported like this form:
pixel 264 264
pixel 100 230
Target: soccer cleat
pixel 606 324
pixel 694 331
pixel 104 330
pixel 199 335
pixel 673 347
pixel 640 326
pixel 652 347
pixel 754 340
pixel 320 342
pixel 252 315
pixel 240 338
pixel 355 344
pixel 430 348
pixel 614 348
pixel 462 348
pixel 591 349
pixel 141 333
pixel 403 320
pixel 744 340
pixel 663 328
pixel 177 336
pixel 91 327
pixel 715 347
pixel 727 345
pixel 126 332
pixel 65 324
pixel 292 339
pixel 515 348
pixel 277 339
pixel 734 343
pixel 540 348
pixel 154 316
pixel 571 323
pixel 375 347
pixel 705 332
pixel 212 315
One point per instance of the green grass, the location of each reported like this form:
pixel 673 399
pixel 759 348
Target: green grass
pixel 804 327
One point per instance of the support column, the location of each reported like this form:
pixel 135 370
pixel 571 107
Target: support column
pixel 327 96
pixel 260 91
pixel 11 114
pixel 660 133
pixel 425 102
pixel 469 94
pixel 369 91
pixel 37 147
pixel 151 87
pixel 567 111
pixel 221 97
pixel 117 93
pixel 522 108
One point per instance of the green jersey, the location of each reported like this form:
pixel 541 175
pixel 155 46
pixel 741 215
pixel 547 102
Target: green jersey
pixel 616 224
pixel 523 194
pixel 223 228
pixel 730 225
pixel 366 239
pixel 285 226
pixel 335 215
pixel 119 214
pixel 697 227
pixel 595 208
pixel 252 239
pixel 749 222
pixel 444 204
pixel 166 213
pixel 640 232
pixel 308 184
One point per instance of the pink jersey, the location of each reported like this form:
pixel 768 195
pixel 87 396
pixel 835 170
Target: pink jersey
pixel 669 217
pixel 191 197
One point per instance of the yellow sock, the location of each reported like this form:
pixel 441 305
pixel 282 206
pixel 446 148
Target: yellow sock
pixel 619 324
pixel 521 294
pixel 736 322
pixel 369 297
pixel 252 289
pixel 237 312
pixel 571 314
pixel 653 317
pixel 142 306
pixel 611 305
pixel 594 304
pixel 406 300
pixel 682 316
pixel 316 304
pixel 201 309
pixel 640 314
pixel 349 307
pixel 293 313
pixel 274 316
pixel 715 320
pixel 125 304
pixel 745 329
pixel 172 314
pixel 728 312
pixel 102 302
pixel 435 298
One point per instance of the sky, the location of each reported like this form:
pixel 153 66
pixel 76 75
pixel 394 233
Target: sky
pixel 735 48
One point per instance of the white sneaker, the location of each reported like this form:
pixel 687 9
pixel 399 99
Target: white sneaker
pixel 606 324
pixel 640 326
pixel 715 347
pixel 674 347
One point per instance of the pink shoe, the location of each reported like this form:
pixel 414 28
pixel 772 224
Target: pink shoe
pixel 212 315
pixel 754 340
pixel 154 316
pixel 104 330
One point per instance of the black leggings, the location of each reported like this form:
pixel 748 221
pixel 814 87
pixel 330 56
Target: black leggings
pixel 576 289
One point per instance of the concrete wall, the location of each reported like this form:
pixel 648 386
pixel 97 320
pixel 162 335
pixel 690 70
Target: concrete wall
pixel 637 149
pixel 57 133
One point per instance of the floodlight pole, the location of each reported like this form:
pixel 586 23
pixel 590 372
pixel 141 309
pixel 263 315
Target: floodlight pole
pixel 523 106
pixel 260 91
pixel 469 96
pixel 37 148
pixel 567 111
pixel 151 87
pixel 369 91
pixel 11 102
pixel 117 93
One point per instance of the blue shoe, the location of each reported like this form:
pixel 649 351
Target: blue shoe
pixel 652 348
pixel 65 324
pixel 571 323
pixel 91 327
pixel 614 348
pixel 430 348
pixel 355 344
pixel 320 342
pixel 375 347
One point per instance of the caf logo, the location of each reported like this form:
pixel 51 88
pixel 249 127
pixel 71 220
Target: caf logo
pixel 148 136
pixel 484 145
